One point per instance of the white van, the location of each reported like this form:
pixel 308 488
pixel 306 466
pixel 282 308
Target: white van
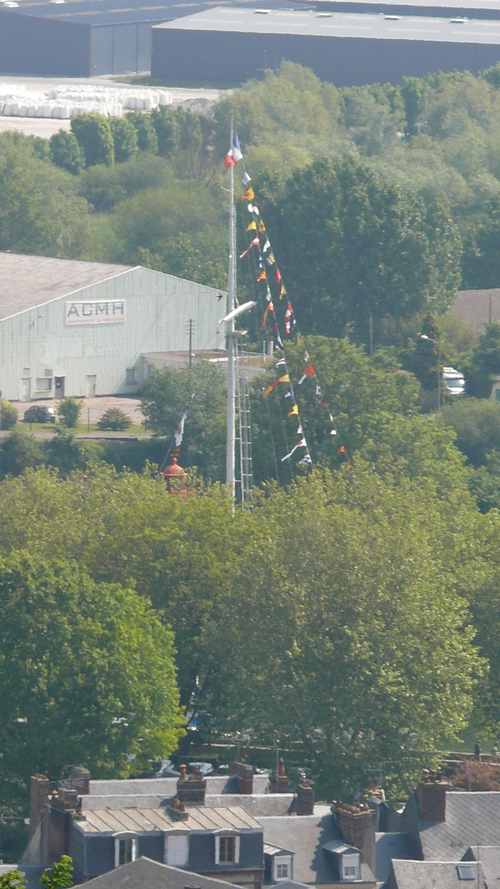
pixel 454 382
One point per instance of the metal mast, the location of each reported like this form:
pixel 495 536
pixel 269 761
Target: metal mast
pixel 231 296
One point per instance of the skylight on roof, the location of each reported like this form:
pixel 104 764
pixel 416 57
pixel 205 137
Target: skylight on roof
pixel 465 872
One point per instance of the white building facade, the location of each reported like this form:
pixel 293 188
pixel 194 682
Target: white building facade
pixel 70 328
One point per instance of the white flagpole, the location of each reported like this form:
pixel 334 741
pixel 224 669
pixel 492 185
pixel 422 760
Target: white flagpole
pixel 231 294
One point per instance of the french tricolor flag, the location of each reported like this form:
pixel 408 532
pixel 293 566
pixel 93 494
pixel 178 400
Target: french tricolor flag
pixel 234 154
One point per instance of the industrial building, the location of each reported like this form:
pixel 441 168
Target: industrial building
pixel 83 38
pixel 84 329
pixel 228 44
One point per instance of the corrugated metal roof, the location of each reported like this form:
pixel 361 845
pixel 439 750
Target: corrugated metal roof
pixel 147 820
pixel 107 12
pixel 338 24
pixel 30 281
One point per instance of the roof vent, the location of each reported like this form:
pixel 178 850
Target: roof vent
pixel 460 21
pixel 392 18
pixel 324 15
pixel 262 11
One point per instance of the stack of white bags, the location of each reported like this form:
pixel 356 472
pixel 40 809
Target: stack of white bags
pixel 65 102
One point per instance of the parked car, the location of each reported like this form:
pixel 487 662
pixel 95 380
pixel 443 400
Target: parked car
pixel 40 413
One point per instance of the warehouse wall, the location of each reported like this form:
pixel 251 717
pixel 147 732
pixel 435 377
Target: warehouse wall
pixel 42 46
pixel 194 57
pixel 121 48
pixel 38 345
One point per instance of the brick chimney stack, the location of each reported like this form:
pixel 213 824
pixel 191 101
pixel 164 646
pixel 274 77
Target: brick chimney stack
pixel 244 774
pixel 191 788
pixel 305 797
pixel 39 796
pixel 278 783
pixel 431 797
pixel 358 825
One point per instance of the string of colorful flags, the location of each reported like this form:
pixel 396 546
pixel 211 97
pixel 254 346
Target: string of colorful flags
pixel 267 269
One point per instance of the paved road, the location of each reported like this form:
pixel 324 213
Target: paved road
pixel 93 408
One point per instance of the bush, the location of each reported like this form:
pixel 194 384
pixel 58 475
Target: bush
pixel 114 420
pixel 69 411
pixel 477 776
pixel 9 415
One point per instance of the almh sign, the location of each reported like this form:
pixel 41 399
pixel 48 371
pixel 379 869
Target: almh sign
pixel 96 312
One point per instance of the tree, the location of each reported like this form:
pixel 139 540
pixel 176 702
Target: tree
pixel 146 134
pixel 87 672
pixel 330 637
pixel 18 452
pixel 124 139
pixel 114 419
pixel 8 414
pixel 13 879
pixel 40 212
pixel 354 245
pixel 484 362
pixel 94 136
pixel 69 410
pixel 60 875
pixel 65 152
pixel 64 452
pixel 168 131
pixel 165 396
pixel 357 389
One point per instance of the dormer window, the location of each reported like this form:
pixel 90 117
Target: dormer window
pixel 351 866
pixel 125 848
pixel 176 850
pixel 282 868
pixel 227 848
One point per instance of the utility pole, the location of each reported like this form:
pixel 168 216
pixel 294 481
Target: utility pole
pixel 190 332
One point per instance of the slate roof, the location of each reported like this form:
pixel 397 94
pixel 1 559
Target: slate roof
pixel 146 874
pixel 441 874
pixel 145 820
pixel 29 281
pixel 471 819
pixel 305 836
pixel 473 306
pixel 489 856
pixel 390 846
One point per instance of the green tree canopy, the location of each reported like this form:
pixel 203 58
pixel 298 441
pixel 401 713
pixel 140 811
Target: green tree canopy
pixel 40 212
pixel 94 136
pixel 350 245
pixel 165 396
pixel 329 633
pixel 124 138
pixel 87 672
pixel 65 152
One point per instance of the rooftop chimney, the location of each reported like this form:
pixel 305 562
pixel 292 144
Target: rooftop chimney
pixel 278 783
pixel 80 779
pixel 244 774
pixel 39 794
pixel 305 797
pixel 358 824
pixel 191 788
pixel 431 797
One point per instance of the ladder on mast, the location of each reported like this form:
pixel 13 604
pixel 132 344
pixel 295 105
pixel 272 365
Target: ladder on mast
pixel 244 432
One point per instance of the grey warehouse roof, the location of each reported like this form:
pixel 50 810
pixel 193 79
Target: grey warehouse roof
pixel 481 9
pixel 316 24
pixel 29 281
